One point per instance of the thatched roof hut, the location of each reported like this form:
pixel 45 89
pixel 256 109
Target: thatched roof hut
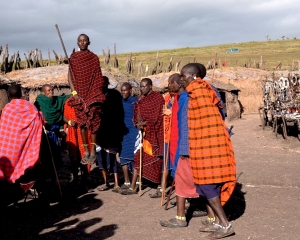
pixel 229 94
pixel 32 79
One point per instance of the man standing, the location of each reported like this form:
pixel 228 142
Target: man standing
pixel 86 82
pixel 210 150
pixel 21 127
pixel 148 117
pixel 110 135
pixel 127 149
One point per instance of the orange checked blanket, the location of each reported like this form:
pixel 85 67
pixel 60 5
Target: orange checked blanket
pixel 211 152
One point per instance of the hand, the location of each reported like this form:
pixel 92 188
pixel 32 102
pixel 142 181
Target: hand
pixel 73 123
pixel 140 125
pixel 75 96
pixel 167 111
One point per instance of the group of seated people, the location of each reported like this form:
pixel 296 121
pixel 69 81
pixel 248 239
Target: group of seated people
pixel 182 131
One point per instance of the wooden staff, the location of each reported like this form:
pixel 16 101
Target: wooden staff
pixel 45 131
pixel 166 158
pixel 66 56
pixel 170 193
pixel 141 161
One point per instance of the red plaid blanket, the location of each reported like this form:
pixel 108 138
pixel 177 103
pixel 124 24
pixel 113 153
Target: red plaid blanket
pixel 149 108
pixel 21 130
pixel 88 83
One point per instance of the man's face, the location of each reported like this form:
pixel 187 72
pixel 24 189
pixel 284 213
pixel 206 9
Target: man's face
pixel 83 42
pixel 173 86
pixel 145 87
pixel 25 95
pixel 186 78
pixel 48 92
pixel 125 91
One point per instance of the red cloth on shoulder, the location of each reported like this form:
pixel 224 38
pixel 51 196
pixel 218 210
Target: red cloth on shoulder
pixel 88 84
pixel 21 127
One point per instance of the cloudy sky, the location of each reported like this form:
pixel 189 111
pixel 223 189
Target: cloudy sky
pixel 140 25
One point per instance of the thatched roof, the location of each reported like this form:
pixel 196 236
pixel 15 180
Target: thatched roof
pixel 161 81
pixel 34 78
pixel 222 86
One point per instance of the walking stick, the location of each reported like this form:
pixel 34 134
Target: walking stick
pixel 141 156
pixel 166 159
pixel 45 131
pixel 170 193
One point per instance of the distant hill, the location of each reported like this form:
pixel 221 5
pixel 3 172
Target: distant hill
pixel 272 52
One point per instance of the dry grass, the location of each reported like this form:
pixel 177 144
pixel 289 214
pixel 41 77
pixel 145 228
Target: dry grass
pixel 271 51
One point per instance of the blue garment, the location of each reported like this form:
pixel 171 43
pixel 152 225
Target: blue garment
pixel 127 149
pixel 183 136
pixel 183 142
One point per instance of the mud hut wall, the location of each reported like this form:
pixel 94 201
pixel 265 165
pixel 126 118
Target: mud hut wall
pixel 233 108
pixel 3 98
pixel 248 81
pixel 250 95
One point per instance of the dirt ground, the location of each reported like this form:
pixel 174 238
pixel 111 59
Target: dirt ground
pixel 266 204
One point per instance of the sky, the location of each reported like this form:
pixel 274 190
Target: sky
pixel 140 25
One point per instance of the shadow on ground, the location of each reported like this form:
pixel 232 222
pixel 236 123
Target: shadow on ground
pixel 43 219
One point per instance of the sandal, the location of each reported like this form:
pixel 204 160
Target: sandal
pixel 116 189
pixel 91 159
pixel 173 223
pixel 84 160
pixel 129 191
pixel 221 232
pixel 209 225
pixel 157 194
pixel 105 187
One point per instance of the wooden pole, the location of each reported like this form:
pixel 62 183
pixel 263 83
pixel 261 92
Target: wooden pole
pixel 170 193
pixel 141 162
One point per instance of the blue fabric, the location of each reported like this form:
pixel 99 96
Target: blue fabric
pixel 183 127
pixel 208 191
pixel 107 161
pixel 183 144
pixel 127 149
pixel 52 132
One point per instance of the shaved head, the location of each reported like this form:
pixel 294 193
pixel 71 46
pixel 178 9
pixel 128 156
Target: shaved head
pixel 127 85
pixel 176 77
pixel 147 80
pixel 14 91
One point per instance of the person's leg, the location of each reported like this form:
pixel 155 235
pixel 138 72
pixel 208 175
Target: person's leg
pixel 218 210
pixel 84 136
pixel 93 149
pixel 105 186
pixel 132 189
pixel 126 173
pixel 180 219
pixel 180 206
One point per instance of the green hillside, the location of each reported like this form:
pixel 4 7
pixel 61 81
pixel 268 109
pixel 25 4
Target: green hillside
pixel 271 51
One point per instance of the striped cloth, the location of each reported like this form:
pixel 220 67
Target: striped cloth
pixel 88 83
pixel 211 151
pixel 149 108
pixel 21 131
pixel 127 154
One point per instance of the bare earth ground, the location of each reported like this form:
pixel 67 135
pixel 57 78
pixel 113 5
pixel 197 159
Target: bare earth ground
pixel 265 206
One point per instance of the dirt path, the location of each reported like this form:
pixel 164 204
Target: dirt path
pixel 266 207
